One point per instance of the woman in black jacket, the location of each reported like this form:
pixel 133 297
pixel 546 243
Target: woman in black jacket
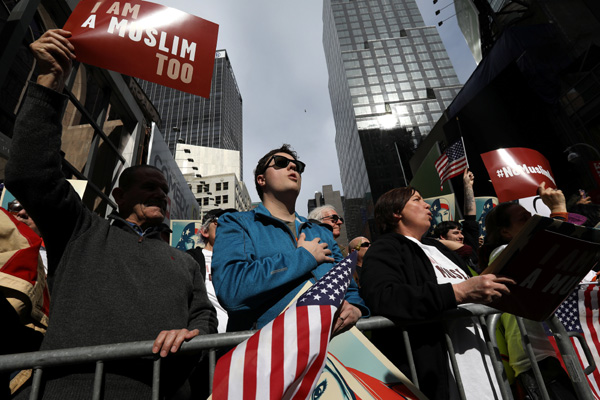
pixel 408 279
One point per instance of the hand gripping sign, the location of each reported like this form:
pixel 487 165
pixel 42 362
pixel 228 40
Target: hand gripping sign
pixel 517 172
pixel 146 40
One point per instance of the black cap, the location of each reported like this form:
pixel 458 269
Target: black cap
pixel 216 213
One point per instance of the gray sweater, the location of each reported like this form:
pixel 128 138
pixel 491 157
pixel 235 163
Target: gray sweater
pixel 109 284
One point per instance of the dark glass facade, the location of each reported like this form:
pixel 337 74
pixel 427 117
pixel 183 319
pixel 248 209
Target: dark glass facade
pixel 388 71
pixel 214 122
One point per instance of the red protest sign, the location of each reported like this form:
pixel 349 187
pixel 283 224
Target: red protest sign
pixel 146 40
pixel 517 172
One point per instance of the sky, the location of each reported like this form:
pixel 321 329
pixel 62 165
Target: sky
pixel 276 52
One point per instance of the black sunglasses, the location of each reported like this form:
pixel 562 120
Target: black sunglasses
pixel 363 244
pixel 334 218
pixel 283 162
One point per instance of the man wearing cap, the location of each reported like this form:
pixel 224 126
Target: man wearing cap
pixel 263 258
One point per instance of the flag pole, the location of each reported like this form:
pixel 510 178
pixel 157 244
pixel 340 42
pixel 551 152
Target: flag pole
pixel 462 141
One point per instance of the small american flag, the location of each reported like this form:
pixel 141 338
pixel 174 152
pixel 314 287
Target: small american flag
pixel 285 358
pixel 452 162
pixel 579 313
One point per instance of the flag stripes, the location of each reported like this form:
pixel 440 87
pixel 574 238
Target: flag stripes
pixel 452 162
pixel 284 360
pixel 589 308
pixel 580 313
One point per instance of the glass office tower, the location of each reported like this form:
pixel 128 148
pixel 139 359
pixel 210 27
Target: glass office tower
pixel 214 122
pixel 390 79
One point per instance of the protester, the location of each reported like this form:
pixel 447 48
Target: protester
pixel 328 217
pixel 203 256
pixel 361 245
pixel 503 223
pixel 263 258
pixel 463 239
pixel 407 279
pixel 112 280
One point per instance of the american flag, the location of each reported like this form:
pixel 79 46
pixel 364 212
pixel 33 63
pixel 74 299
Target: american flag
pixel 452 162
pixel 285 358
pixel 579 313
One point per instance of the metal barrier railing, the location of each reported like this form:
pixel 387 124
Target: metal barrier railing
pixel 98 355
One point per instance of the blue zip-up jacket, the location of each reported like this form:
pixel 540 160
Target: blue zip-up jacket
pixel 258 269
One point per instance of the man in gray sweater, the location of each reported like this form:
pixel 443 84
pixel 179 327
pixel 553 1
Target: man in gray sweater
pixel 111 280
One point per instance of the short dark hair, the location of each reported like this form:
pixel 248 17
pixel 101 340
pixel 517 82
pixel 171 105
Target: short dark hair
pixel 443 227
pixel 390 203
pixel 261 167
pixel 496 219
pixel 128 176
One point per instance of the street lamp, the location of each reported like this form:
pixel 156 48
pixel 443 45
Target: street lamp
pixel 573 156
pixel 442 21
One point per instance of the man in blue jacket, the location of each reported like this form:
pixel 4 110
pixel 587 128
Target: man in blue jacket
pixel 262 258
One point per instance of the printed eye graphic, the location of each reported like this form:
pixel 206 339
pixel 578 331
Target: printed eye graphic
pixel 319 390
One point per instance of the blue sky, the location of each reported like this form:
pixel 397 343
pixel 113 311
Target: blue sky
pixel 276 52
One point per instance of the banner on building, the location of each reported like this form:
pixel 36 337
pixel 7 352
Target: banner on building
pixel 181 202
pixel 146 40
pixel 517 172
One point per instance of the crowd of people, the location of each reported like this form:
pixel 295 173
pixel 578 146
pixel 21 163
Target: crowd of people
pixel 117 280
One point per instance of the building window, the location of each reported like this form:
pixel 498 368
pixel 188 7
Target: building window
pixel 190 159
pixel 218 186
pixel 198 188
pixel 205 201
pixel 187 151
pixel 225 199
pixel 217 200
pixel 195 168
pixel 225 187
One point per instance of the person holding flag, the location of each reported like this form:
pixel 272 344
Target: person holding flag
pixel 264 257
pixel 284 359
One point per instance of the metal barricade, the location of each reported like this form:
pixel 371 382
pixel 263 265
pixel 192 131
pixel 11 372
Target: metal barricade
pixel 40 360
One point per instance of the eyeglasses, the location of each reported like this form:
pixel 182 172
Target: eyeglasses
pixel 15 208
pixel 363 244
pixel 334 218
pixel 283 162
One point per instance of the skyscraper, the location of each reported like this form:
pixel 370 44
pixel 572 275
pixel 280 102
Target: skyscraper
pixel 214 122
pixel 390 79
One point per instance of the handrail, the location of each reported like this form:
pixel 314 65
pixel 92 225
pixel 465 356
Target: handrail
pixel 100 354
pixel 107 352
